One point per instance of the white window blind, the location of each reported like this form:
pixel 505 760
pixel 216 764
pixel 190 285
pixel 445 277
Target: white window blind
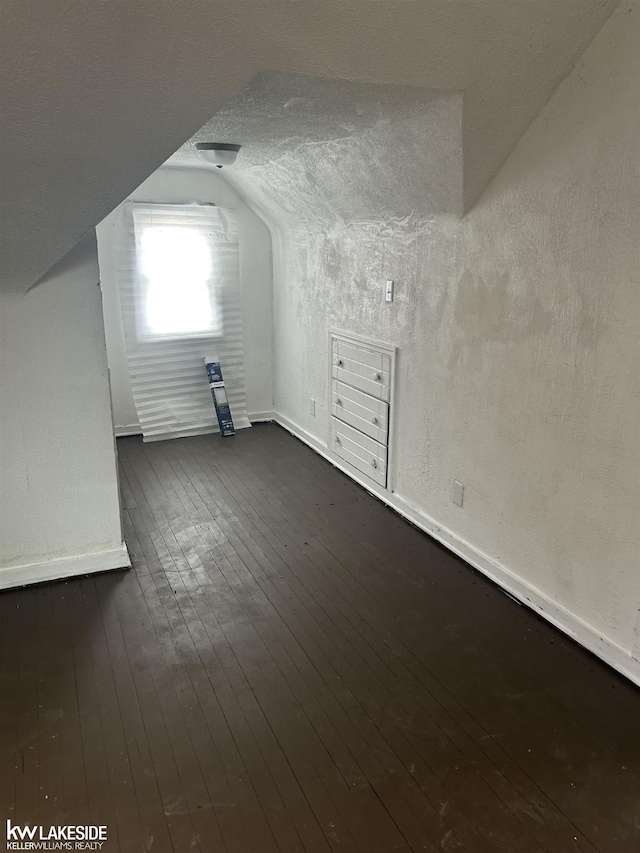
pixel 178 271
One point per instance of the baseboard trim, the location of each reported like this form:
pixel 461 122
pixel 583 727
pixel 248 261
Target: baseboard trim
pixel 261 417
pixel 583 633
pixel 52 570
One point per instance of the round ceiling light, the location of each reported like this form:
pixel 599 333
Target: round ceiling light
pixel 218 153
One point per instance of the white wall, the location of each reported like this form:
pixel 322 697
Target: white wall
pixel 184 185
pixel 59 512
pixel 518 361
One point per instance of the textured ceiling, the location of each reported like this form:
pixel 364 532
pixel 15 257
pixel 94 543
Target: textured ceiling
pixel 96 94
pixel 316 151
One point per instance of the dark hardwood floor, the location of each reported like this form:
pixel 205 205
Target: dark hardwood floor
pixel 290 666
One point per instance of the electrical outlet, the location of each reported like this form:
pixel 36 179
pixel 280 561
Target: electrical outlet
pixel 388 294
pixel 312 407
pixel 458 493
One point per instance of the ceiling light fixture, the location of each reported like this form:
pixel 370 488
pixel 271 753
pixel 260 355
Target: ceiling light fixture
pixel 218 153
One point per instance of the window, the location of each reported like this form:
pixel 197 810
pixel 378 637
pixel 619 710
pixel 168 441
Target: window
pixel 179 280
pixel 178 293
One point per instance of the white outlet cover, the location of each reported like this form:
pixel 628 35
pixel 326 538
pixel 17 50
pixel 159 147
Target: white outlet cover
pixel 458 493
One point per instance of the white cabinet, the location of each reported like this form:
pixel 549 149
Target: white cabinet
pixel 363 369
pixel 361 386
pixel 366 454
pixel 360 410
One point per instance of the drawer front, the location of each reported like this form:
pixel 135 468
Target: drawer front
pixel 364 453
pixel 365 369
pixel 362 411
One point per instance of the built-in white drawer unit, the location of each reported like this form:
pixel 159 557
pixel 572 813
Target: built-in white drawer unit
pixel 364 453
pixel 362 368
pixel 361 386
pixel 360 410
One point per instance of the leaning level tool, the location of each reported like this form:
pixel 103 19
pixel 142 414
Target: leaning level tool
pixel 219 394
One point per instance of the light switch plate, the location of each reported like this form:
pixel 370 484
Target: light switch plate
pixel 458 493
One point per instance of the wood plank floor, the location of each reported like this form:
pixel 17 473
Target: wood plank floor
pixel 290 666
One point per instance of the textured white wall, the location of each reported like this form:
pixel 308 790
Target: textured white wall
pixel 59 499
pixel 517 329
pixel 316 150
pixel 184 185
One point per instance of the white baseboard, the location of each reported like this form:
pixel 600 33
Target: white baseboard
pixel 52 570
pixel 261 417
pixel 580 631
pixel 127 429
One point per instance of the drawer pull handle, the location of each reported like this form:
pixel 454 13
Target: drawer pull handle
pixel 337 439
pixel 339 362
pixel 377 376
pixel 374 420
pixel 374 463
pixel 338 401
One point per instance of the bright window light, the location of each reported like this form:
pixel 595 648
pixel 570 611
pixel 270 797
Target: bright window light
pixel 178 269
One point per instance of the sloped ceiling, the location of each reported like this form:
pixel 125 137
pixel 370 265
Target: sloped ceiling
pixel 316 151
pixel 96 94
